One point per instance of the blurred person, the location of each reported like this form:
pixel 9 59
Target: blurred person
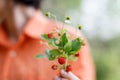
pixel 21 26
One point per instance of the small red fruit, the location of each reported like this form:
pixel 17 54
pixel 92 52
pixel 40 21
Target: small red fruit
pixel 68 68
pixel 54 67
pixel 77 55
pixel 50 35
pixel 61 60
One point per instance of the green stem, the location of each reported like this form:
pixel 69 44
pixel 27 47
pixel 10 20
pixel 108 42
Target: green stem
pixel 55 20
pixel 66 63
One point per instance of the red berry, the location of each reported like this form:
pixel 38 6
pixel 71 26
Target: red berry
pixel 77 55
pixel 68 68
pixel 61 60
pixel 50 35
pixel 54 67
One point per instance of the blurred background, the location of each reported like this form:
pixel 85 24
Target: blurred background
pixel 101 25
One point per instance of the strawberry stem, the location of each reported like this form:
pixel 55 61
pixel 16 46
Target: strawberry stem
pixel 66 63
pixel 55 20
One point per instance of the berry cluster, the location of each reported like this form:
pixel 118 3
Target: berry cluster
pixel 61 48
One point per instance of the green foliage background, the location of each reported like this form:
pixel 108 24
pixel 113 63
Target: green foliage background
pixel 105 52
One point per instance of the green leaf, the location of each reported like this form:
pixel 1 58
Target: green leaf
pixel 40 56
pixel 47 52
pixel 68 47
pixel 73 52
pixel 64 55
pixel 51 41
pixel 72 58
pixel 63 40
pixel 76 45
pixel 44 37
pixel 52 54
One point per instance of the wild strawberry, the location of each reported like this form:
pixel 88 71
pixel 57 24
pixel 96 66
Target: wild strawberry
pixel 77 55
pixel 68 68
pixel 61 60
pixel 54 67
pixel 50 35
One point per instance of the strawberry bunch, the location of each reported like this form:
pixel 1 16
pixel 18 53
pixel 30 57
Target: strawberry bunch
pixel 61 48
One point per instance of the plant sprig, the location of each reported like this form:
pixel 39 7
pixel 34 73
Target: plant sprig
pixel 63 48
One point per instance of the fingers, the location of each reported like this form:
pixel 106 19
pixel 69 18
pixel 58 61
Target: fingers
pixel 64 79
pixel 64 74
pixel 59 78
pixel 68 75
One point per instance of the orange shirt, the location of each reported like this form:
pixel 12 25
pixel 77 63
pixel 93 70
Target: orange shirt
pixel 17 62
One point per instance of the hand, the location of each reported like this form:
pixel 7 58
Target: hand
pixel 66 76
